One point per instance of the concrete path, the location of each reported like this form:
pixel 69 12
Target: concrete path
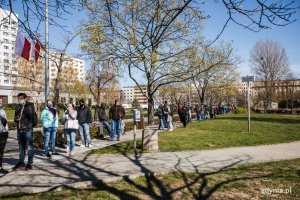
pixel 83 170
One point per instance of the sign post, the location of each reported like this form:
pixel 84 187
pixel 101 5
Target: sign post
pixel 136 118
pixel 248 79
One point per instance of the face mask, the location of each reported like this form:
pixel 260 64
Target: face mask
pixel 49 105
pixel 22 102
pixel 1 105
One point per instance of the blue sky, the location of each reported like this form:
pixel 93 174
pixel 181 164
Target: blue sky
pixel 243 40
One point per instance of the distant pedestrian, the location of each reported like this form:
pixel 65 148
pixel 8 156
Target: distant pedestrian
pixel 168 114
pixel 160 115
pixel 49 120
pixel 3 135
pixel 84 117
pixel 116 114
pixel 26 119
pixel 190 114
pixel 212 111
pixel 198 112
pixel 70 127
pixel 202 112
pixel 184 114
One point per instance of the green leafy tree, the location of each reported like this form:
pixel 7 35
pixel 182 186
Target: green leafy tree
pixel 136 104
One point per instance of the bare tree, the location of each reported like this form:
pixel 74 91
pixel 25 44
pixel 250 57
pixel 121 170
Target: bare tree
pixel 33 15
pixel 101 75
pixel 221 63
pixel 148 38
pixel 270 64
pixel 59 58
pixel 153 38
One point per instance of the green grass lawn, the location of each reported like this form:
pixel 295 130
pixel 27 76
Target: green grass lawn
pixel 226 131
pixel 256 181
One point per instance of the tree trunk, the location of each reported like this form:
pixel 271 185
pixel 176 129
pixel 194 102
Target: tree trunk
pixel 150 109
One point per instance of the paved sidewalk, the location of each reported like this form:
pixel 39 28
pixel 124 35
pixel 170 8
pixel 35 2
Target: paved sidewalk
pixel 82 170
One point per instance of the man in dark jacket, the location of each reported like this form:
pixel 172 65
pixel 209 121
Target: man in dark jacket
pixel 116 114
pixel 26 120
pixel 184 114
pixel 162 121
pixel 84 117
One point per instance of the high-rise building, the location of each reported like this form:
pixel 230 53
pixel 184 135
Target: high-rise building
pixel 18 75
pixel 72 66
pixel 8 62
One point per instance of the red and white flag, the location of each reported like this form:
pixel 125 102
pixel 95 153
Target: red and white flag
pixel 35 50
pixel 22 46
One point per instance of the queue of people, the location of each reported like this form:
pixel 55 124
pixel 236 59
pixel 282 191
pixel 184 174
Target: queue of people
pixel 73 119
pixel 165 113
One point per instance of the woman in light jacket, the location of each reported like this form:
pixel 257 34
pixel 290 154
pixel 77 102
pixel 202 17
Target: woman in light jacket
pixel 70 114
pixel 3 135
pixel 49 120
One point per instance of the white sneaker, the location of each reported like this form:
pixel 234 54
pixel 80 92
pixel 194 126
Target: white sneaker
pixel 82 145
pixel 171 130
pixel 90 145
pixel 68 148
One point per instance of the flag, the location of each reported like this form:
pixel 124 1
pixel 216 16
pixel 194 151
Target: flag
pixel 35 50
pixel 22 46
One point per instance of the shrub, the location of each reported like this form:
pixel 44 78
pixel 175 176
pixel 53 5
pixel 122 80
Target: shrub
pixel 240 110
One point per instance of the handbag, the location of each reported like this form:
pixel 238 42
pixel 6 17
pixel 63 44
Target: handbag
pixel 72 124
pixel 3 121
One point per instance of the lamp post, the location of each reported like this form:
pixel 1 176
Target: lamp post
pixel 47 89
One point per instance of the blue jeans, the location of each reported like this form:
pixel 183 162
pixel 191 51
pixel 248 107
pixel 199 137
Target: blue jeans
pixel 198 117
pixel 50 135
pixel 107 126
pixel 161 123
pixel 115 127
pixel 25 139
pixel 84 130
pixel 71 136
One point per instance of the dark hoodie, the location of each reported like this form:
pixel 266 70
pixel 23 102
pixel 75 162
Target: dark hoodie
pixel 102 115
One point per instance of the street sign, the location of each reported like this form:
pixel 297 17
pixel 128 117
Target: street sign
pixel 247 78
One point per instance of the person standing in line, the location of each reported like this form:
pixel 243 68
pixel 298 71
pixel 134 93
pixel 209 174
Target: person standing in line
pixel 49 120
pixel 198 112
pixel 26 119
pixel 103 117
pixel 184 114
pixel 202 112
pixel 161 118
pixel 3 135
pixel 70 132
pixel 190 114
pixel 84 117
pixel 168 113
pixel 116 114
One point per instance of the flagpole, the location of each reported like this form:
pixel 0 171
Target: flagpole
pixel 47 89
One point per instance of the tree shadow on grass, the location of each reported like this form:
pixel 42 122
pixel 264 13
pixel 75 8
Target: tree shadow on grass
pixel 92 173
pixel 262 119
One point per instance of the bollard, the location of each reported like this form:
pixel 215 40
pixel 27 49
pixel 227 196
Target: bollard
pixel 150 140
pixel 141 124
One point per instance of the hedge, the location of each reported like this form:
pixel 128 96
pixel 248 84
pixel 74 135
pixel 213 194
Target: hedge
pixel 60 138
